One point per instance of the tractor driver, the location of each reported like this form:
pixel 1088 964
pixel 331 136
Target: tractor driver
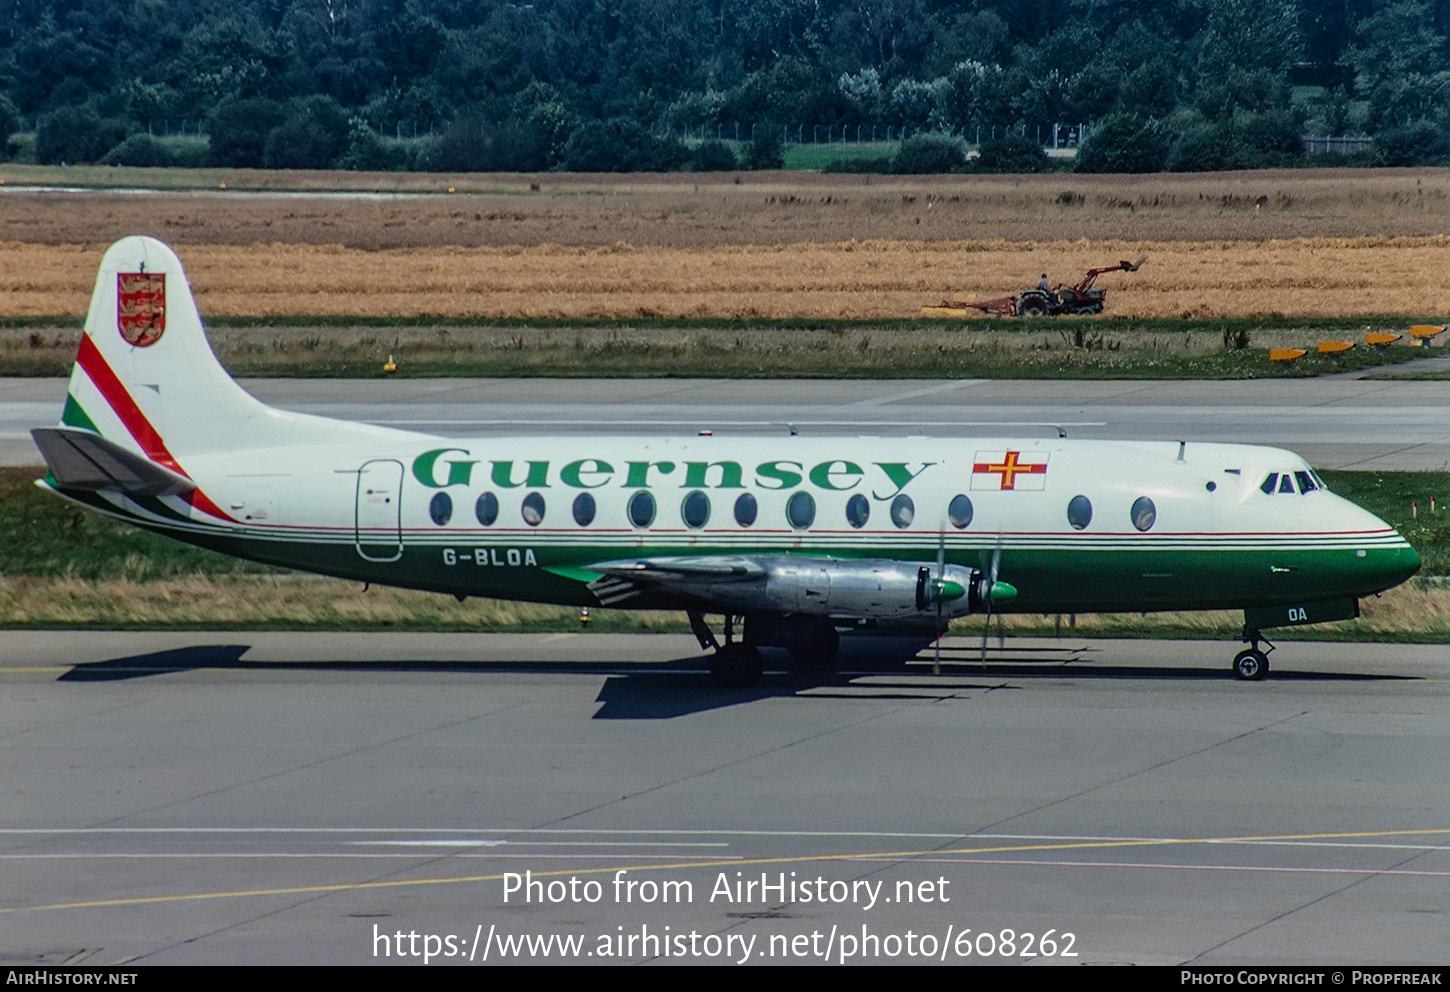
pixel 1044 288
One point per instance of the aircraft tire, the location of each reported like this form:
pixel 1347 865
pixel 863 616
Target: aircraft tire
pixel 1251 665
pixel 736 666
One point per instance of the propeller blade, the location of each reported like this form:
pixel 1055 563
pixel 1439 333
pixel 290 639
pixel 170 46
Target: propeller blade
pixel 989 585
pixel 941 571
pixel 986 630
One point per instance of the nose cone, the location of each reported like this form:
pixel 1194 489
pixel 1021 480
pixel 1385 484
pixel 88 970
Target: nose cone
pixel 1387 562
pixel 1382 557
pixel 1408 564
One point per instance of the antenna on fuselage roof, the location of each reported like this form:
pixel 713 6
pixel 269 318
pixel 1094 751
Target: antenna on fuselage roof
pixel 1182 449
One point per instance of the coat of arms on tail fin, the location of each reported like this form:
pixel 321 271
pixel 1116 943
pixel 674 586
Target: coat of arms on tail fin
pixel 141 307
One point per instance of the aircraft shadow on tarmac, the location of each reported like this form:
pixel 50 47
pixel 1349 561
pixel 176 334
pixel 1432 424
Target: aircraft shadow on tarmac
pixel 898 670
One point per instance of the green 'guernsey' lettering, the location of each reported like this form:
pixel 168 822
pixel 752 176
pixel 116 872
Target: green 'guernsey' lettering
pixel 503 475
pixel 836 475
pixel 696 474
pixel 826 474
pixel 773 470
pixel 573 473
pixel 639 473
pixel 898 473
pixel 459 473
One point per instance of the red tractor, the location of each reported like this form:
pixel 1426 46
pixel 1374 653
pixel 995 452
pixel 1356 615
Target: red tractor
pixel 1040 302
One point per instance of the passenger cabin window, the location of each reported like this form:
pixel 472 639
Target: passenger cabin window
pixel 584 508
pixel 1144 513
pixel 695 510
pixel 533 509
pixel 746 509
pixel 903 511
pixel 486 509
pixel 642 508
pixel 1079 512
pixel 800 510
pixel 959 511
pixel 858 511
pixel 440 508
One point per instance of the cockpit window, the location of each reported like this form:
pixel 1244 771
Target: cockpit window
pixel 1283 482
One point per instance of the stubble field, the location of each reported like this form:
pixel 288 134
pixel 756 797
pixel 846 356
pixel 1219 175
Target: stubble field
pixel 1316 243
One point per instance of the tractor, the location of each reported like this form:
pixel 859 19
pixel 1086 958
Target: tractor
pixel 1039 302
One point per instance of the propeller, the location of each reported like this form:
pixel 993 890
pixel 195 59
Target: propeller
pixel 941 571
pixel 988 591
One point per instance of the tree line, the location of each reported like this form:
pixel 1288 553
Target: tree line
pixel 589 85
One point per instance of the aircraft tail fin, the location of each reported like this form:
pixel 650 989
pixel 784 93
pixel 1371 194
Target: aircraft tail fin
pixel 145 378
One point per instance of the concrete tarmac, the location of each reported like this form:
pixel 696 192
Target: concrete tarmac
pixel 1335 422
pixel 368 798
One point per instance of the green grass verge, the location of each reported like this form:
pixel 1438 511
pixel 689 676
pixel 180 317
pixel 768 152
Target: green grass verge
pixel 1045 348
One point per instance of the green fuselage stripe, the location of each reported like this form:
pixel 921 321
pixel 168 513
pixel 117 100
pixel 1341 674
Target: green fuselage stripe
pixel 1048 580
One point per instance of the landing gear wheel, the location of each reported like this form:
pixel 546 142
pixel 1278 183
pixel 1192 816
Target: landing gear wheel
pixel 818 648
pixel 736 666
pixel 1251 665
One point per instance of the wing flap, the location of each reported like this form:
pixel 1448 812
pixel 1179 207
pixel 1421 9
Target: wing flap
pixel 715 568
pixel 618 582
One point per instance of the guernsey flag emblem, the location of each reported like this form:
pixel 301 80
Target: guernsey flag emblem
pixel 1014 470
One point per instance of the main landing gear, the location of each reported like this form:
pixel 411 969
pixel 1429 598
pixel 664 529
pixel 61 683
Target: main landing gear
pixel 1252 664
pixel 737 664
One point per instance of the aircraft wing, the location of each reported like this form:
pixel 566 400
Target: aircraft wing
pixel 81 460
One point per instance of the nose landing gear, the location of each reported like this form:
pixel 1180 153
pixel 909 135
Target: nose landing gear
pixel 1252 664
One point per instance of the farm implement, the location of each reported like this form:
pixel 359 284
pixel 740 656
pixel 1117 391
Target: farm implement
pixel 1083 298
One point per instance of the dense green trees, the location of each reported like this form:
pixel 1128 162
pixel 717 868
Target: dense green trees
pixel 310 83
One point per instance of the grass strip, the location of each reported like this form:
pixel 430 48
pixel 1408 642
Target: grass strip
pixel 1065 348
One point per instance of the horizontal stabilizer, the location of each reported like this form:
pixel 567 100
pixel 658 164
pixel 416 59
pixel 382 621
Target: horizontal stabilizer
pixel 81 460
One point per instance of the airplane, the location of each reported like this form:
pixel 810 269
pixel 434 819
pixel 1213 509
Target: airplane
pixel 793 538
